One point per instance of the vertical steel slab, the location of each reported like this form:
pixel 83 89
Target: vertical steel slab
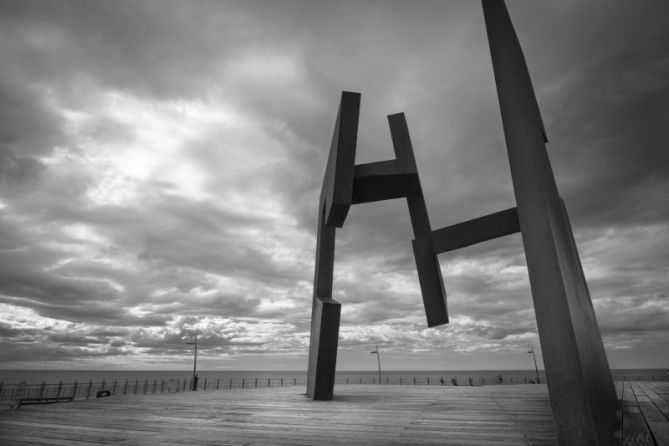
pixel 325 313
pixel 579 379
pixel 335 200
pixel 337 190
pixel 427 264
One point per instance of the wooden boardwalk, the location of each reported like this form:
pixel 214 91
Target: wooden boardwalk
pixel 359 415
pixel 643 415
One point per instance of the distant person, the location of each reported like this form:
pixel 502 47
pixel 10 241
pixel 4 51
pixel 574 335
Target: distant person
pixel 501 380
pixel 442 381
pixel 471 383
pixel 454 381
pixel 195 379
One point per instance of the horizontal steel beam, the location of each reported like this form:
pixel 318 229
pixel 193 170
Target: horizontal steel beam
pixel 475 231
pixel 383 180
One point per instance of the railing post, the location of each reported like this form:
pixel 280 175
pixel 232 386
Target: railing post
pixel 136 386
pixel 88 391
pixel 414 380
pixel 125 387
pixel 178 384
pixel 102 385
pixel 184 385
pixel 269 383
pixel 243 383
pixel 205 384
pixel 256 382
pixel 60 389
pixel 428 380
pixel 155 384
pixel 114 387
pixel 281 382
pixel 20 391
pixel 146 384
pixel 162 386
pixel 41 389
pixel 230 384
pixel 74 390
pixel 400 381
pixel 218 381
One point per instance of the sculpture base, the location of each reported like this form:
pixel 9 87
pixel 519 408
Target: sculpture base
pixel 323 348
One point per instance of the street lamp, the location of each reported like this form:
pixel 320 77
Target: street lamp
pixel 378 359
pixel 194 380
pixel 536 369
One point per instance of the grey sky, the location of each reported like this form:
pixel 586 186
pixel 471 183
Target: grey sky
pixel 161 161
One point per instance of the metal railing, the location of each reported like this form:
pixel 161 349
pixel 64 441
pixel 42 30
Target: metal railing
pixel 90 389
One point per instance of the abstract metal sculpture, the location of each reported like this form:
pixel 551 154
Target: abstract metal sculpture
pixel 345 184
pixel 580 386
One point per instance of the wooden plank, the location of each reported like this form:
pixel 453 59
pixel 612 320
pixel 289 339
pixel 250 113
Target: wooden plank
pixel 635 430
pixel 617 439
pixel 637 389
pixel 660 431
pixel 659 402
pixel 649 410
pixel 654 409
pixel 659 395
pixel 23 439
pixel 628 395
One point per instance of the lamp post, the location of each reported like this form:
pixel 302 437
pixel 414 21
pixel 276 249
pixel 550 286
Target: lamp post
pixel 194 380
pixel 536 369
pixel 378 359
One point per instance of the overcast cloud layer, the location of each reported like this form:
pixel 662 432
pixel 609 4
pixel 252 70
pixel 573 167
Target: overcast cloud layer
pixel 161 161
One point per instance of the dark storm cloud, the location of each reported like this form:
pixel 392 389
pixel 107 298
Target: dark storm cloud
pixel 58 299
pixel 611 169
pixel 68 339
pixel 8 332
pixel 40 353
pixel 23 132
pixel 146 48
pixel 161 164
pixel 612 149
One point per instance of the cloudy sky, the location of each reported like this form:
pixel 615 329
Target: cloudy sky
pixel 161 162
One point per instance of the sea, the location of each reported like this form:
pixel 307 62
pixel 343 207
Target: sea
pixel 434 377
